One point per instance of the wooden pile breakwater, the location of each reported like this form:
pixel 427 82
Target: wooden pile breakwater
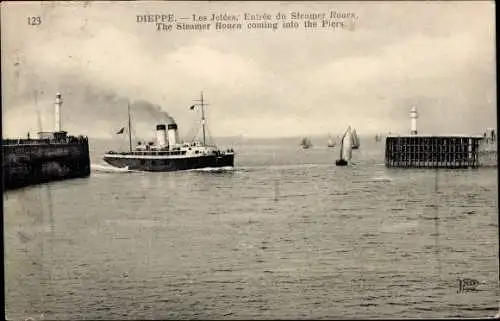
pixel 33 161
pixel 417 151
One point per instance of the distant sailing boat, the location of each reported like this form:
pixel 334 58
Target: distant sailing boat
pixel 331 143
pixel 305 143
pixel 355 139
pixel 345 148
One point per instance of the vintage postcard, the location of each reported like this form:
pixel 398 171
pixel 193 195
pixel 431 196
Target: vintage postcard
pixel 249 160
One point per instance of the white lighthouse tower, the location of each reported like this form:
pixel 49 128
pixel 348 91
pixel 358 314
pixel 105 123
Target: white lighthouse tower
pixel 413 117
pixel 57 113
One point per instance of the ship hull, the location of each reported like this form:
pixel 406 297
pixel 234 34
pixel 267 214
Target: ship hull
pixel 341 162
pixel 169 164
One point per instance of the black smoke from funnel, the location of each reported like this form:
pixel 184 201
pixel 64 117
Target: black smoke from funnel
pixel 155 111
pixel 88 107
pixel 170 119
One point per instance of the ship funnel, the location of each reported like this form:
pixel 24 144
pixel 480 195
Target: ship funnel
pixel 173 135
pixel 161 135
pixel 57 112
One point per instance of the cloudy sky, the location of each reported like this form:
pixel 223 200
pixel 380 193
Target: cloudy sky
pixel 439 57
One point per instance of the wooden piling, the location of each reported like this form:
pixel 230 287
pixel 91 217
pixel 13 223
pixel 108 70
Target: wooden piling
pixel 418 151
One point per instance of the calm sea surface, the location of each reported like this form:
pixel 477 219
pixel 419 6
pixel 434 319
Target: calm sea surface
pixel 286 234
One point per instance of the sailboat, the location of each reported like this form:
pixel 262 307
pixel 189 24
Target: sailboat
pixel 345 148
pixel 331 143
pixel 355 139
pixel 305 143
pixel 168 153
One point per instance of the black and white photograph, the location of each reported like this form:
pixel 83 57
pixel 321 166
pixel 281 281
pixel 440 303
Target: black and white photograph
pixel 249 160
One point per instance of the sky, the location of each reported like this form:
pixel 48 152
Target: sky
pixel 439 57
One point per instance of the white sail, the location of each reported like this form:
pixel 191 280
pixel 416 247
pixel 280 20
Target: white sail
pixel 347 145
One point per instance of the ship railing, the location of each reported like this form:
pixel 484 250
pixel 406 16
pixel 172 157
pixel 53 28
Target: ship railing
pixel 223 152
pixel 150 153
pixel 165 153
pixel 162 153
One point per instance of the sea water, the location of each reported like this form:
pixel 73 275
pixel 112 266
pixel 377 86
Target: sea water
pixel 283 234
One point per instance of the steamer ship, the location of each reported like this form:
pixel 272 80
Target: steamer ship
pixel 168 153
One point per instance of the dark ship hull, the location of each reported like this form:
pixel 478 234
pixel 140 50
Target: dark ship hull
pixel 169 164
pixel 341 162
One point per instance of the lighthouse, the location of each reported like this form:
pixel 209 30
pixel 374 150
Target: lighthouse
pixel 413 117
pixel 57 113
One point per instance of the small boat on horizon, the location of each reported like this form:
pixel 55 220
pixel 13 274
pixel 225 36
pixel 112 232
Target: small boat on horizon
pixel 331 143
pixel 168 153
pixel 355 139
pixel 345 148
pixel 306 143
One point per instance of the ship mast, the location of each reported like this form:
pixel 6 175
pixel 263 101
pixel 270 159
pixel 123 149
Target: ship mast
pixel 203 119
pixel 129 131
pixel 202 104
